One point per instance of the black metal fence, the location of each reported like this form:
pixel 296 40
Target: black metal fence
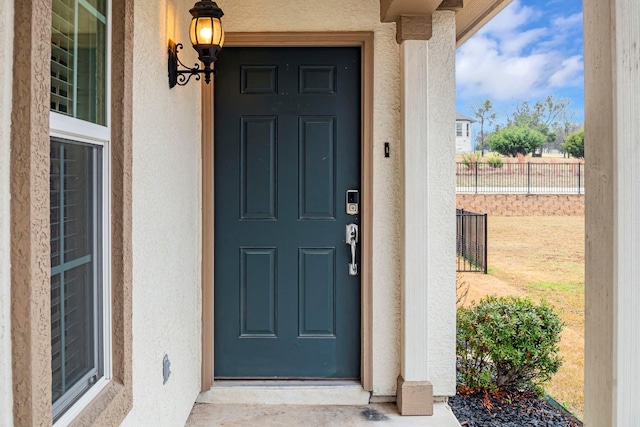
pixel 471 241
pixel 549 178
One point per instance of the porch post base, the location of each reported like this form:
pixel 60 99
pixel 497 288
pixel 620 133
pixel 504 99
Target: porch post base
pixel 414 397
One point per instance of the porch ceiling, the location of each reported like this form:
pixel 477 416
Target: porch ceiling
pixel 474 15
pixel 471 15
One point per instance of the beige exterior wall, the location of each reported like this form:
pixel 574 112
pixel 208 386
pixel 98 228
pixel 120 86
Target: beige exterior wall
pixel 357 15
pixel 6 45
pixel 522 204
pixel 166 221
pixel 30 230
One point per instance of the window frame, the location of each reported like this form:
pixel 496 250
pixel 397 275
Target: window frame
pixel 102 201
pixel 75 130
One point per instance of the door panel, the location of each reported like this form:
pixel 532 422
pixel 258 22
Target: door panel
pixel 317 292
pixel 258 292
pixel 287 148
pixel 317 165
pixel 258 167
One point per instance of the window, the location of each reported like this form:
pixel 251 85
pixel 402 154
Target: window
pixel 79 196
pixel 468 129
pixel 458 129
pixel 78 59
pixel 76 270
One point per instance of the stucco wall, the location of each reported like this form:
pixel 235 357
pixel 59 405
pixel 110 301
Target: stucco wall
pixel 357 15
pixel 441 201
pixel 6 44
pixel 166 221
pixel 522 204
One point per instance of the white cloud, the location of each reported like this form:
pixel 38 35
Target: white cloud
pixel 511 18
pixel 563 32
pixel 568 21
pixel 483 70
pixel 518 41
pixel 519 56
pixel 570 72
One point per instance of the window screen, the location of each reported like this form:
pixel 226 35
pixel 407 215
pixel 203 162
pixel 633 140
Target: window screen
pixel 75 270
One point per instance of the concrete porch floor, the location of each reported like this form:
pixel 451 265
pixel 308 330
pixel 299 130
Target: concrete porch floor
pixel 382 414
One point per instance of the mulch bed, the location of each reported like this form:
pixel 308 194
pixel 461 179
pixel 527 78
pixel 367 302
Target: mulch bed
pixel 508 410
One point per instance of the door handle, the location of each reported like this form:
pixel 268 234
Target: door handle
pixel 352 239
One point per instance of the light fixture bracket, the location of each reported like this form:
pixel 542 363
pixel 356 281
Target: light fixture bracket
pixel 181 77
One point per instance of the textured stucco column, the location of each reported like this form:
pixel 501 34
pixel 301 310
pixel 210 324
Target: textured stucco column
pixel 612 131
pixel 29 186
pixel 6 61
pixel 428 283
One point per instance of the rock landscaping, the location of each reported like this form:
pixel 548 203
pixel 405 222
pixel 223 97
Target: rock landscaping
pixel 517 410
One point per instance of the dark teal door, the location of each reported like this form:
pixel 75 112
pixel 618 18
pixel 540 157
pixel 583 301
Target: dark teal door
pixel 287 149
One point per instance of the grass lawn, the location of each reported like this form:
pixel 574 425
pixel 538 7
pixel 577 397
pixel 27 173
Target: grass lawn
pixel 542 258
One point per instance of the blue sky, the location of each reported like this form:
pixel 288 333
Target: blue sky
pixel 532 49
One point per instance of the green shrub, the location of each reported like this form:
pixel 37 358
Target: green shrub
pixel 507 343
pixel 574 144
pixel 514 140
pixel 494 162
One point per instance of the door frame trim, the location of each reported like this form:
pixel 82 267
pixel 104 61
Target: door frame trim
pixel 363 40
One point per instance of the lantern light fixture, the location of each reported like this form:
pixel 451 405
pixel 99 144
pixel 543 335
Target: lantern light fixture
pixel 207 37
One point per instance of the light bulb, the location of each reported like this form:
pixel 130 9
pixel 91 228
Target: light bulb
pixel 205 35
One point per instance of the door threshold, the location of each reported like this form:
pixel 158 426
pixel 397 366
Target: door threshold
pixel 286 392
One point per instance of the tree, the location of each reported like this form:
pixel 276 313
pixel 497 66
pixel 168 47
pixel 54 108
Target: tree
pixel 574 144
pixel 512 140
pixel 565 126
pixel 485 115
pixel 543 116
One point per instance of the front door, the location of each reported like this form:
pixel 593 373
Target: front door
pixel 287 150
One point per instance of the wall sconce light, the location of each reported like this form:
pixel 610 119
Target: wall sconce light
pixel 207 38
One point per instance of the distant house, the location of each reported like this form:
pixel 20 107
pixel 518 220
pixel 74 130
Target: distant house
pixel 463 133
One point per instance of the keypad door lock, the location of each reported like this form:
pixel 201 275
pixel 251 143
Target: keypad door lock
pixel 353 202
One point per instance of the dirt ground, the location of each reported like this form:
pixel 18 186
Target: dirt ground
pixel 542 258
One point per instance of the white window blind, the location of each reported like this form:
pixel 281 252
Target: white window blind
pixel 78 59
